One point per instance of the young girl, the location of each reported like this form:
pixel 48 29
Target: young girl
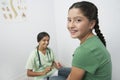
pixel 91 60
pixel 41 63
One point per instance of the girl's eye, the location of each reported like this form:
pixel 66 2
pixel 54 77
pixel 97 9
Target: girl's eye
pixel 69 20
pixel 78 20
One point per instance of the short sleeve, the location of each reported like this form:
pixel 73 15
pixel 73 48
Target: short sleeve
pixel 30 61
pixel 84 58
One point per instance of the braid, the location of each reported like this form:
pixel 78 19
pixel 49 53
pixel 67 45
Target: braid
pixel 99 34
pixel 91 12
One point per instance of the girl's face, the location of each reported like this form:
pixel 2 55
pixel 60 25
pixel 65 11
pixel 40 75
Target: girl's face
pixel 44 42
pixel 78 25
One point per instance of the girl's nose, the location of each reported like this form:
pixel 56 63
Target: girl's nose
pixel 47 42
pixel 71 24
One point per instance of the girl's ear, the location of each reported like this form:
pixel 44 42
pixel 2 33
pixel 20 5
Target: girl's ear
pixel 92 24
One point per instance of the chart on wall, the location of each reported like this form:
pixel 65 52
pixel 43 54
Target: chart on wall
pixel 13 10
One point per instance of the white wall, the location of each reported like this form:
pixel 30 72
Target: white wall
pixel 109 24
pixel 18 38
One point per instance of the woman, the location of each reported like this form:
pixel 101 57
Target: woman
pixel 91 60
pixel 41 63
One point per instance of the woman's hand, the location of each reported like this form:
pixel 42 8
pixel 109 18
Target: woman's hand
pixel 43 73
pixel 48 69
pixel 57 65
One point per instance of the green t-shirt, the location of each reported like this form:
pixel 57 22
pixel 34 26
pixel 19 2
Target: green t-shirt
pixel 46 61
pixel 93 57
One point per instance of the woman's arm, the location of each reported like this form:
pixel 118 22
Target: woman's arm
pixel 76 74
pixel 32 74
pixel 57 65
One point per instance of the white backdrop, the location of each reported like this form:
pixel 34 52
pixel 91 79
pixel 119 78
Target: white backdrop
pixel 18 38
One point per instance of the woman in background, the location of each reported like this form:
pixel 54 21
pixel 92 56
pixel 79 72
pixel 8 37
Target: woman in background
pixel 41 63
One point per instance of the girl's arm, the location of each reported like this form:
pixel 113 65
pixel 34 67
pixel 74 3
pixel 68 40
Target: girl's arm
pixel 76 74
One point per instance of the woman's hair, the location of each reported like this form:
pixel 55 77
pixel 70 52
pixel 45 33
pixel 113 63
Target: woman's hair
pixel 91 12
pixel 41 35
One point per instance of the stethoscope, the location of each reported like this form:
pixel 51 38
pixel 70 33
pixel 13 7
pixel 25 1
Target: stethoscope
pixel 48 55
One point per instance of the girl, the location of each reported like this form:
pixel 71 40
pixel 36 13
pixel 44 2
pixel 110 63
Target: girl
pixel 91 60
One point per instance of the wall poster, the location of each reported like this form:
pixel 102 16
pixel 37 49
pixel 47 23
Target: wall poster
pixel 12 10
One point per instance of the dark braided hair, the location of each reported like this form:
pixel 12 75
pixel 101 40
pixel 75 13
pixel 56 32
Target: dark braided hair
pixel 91 12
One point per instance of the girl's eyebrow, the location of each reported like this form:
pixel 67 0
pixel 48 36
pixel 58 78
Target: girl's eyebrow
pixel 68 18
pixel 78 17
pixel 75 17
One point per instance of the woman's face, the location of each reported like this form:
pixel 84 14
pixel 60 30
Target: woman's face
pixel 44 42
pixel 78 25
